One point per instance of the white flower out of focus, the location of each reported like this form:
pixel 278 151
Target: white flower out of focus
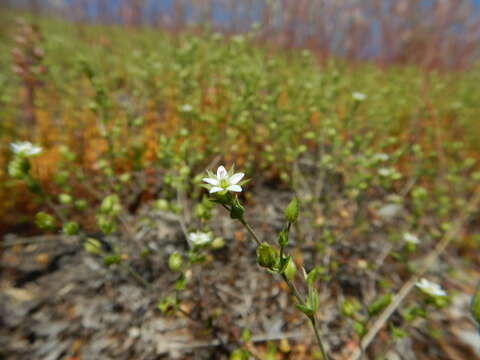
pixel 430 288
pixel 187 108
pixel 410 238
pixel 223 181
pixel 359 96
pixel 385 172
pixel 200 238
pixel 381 157
pixel 25 148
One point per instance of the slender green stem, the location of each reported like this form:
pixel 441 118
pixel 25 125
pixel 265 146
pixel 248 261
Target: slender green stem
pixel 136 275
pixel 250 231
pixel 295 292
pixel 319 339
pixel 293 289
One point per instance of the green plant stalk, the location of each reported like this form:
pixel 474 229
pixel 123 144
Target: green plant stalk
pixel 295 292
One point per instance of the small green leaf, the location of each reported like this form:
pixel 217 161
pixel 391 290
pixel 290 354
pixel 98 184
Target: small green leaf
pixel 476 305
pixel 379 304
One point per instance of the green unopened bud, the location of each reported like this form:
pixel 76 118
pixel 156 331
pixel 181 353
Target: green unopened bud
pixel 18 167
pixel 283 238
pixel 161 205
pixel 291 212
pixel 266 255
pixel 218 243
pixel 290 270
pixel 81 204
pixel 111 205
pixel 70 228
pixel 92 246
pixel 168 305
pixel 65 199
pixel 112 259
pixel 237 211
pixel 44 221
pixel 106 225
pixel 175 261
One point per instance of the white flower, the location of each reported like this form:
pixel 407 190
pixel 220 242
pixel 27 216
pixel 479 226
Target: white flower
pixel 385 172
pixel 381 157
pixel 187 108
pixel 25 148
pixel 358 96
pixel 430 288
pixel 223 181
pixel 199 238
pixel 410 238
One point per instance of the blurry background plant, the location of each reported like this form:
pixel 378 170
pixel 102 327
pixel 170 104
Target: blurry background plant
pixel 384 160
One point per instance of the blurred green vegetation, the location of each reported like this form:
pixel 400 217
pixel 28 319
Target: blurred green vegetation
pixel 140 99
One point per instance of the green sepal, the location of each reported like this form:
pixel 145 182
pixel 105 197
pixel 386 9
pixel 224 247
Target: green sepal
pixel 283 237
pixel 305 309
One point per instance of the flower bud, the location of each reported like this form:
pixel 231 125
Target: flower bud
pixel 291 212
pixel 218 243
pixel 237 211
pixel 65 199
pixel 105 224
pixel 70 228
pixel 45 221
pixel 175 262
pixel 266 255
pixel 18 167
pixel 161 205
pixel 111 205
pixel 290 270
pixel 81 204
pixel 92 246
pixel 112 259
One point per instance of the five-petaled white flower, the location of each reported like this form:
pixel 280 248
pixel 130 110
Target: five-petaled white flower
pixel 223 181
pixel 200 238
pixel 25 148
pixel 430 288
pixel 410 238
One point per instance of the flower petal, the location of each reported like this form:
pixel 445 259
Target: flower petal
pixel 215 189
pixel 235 188
pixel 235 178
pixel 211 181
pixel 221 172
